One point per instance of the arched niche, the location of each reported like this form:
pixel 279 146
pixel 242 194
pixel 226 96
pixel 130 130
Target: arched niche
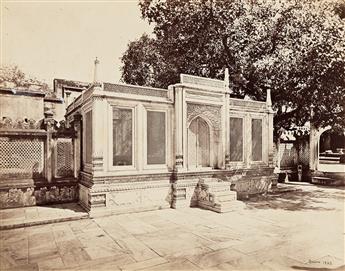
pixel 200 144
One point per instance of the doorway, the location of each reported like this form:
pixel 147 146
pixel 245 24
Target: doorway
pixel 198 144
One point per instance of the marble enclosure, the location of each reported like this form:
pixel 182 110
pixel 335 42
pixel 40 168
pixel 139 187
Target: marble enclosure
pixel 146 148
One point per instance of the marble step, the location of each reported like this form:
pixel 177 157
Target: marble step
pixel 322 180
pixel 230 196
pixel 232 206
pixel 223 207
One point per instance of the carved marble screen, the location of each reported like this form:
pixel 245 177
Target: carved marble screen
pixel 155 138
pixel 236 139
pixel 256 140
pixel 122 136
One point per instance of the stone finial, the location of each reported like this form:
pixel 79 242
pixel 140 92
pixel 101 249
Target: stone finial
pixel 226 79
pixel 268 98
pixel 312 113
pixel 95 74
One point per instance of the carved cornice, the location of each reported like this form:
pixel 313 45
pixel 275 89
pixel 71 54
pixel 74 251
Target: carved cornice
pixel 136 90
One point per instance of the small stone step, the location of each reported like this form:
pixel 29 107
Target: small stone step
pixel 215 195
pixel 231 196
pixel 322 180
pixel 232 206
pixel 223 207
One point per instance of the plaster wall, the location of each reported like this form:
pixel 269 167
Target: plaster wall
pixel 21 107
pixel 58 109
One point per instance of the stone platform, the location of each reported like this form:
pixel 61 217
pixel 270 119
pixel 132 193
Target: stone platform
pixel 277 232
pixel 38 215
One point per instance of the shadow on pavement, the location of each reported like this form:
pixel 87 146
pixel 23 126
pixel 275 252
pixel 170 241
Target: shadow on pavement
pixel 296 200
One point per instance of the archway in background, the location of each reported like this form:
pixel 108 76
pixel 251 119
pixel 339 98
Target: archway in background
pixel 331 147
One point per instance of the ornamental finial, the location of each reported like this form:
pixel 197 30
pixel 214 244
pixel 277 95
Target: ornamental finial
pixel 95 74
pixel 226 79
pixel 268 98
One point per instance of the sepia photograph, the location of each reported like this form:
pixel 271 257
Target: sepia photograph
pixel 172 135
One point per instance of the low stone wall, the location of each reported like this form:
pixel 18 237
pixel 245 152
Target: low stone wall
pixel 247 186
pixel 31 194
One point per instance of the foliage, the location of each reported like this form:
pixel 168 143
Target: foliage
pixel 296 48
pixel 12 76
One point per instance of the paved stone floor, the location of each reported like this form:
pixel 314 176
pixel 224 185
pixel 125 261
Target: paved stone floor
pixel 302 230
pixel 36 215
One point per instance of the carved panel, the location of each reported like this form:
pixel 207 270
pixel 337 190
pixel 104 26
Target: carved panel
pixel 212 113
pixel 98 200
pixel 8 123
pixel 201 81
pixel 127 89
pixel 55 194
pixel 19 197
pixel 248 104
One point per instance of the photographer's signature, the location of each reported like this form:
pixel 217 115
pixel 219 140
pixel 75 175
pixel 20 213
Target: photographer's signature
pixel 325 262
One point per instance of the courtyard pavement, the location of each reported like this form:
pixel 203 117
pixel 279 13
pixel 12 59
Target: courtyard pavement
pixel 301 230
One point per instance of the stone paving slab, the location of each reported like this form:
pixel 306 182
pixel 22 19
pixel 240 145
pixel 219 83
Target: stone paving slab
pixel 38 215
pixel 302 230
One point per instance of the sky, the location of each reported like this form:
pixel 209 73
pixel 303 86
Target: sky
pixel 60 39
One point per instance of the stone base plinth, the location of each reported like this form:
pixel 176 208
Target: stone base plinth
pixel 134 193
pixel 20 193
pixel 117 198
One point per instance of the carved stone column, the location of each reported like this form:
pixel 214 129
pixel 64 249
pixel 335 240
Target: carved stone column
pixel 270 128
pixel 77 141
pixel 179 128
pixel 227 130
pixel 270 139
pixel 227 118
pixel 98 128
pixel 49 126
pixel 313 147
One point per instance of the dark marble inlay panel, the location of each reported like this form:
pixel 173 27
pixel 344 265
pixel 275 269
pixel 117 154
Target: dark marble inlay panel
pixel 256 139
pixel 236 139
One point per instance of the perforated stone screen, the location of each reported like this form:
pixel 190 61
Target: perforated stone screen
pixel 21 158
pixel 64 157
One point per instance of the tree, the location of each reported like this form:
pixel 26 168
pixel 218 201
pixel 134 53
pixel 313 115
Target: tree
pixel 12 76
pixel 144 65
pixel 295 48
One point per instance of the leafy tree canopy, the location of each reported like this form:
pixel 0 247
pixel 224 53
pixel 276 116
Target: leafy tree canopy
pixel 12 76
pixel 294 47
